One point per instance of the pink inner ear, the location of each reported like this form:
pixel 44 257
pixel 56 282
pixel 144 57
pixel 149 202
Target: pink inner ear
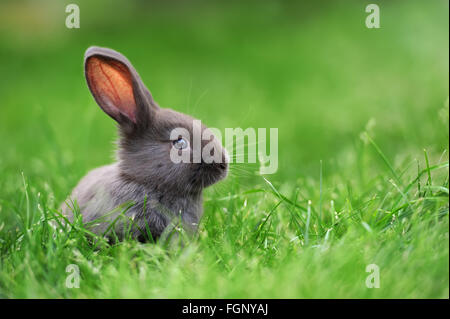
pixel 112 85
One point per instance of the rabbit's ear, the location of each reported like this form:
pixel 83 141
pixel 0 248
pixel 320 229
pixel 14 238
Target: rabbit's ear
pixel 117 88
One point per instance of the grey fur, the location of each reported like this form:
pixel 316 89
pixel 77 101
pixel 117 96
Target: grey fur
pixel 157 189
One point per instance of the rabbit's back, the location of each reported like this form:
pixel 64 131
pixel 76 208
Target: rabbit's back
pixel 92 196
pixel 104 193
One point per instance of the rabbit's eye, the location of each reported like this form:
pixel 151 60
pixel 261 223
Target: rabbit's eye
pixel 180 144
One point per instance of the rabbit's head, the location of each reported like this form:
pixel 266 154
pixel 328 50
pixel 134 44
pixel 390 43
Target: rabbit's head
pixel 157 146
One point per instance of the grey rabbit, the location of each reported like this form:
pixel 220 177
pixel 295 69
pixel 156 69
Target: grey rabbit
pixel 156 189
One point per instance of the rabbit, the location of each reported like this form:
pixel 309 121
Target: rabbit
pixel 144 185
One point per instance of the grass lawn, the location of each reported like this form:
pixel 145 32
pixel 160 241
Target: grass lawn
pixel 362 116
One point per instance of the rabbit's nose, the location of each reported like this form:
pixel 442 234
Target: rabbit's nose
pixel 223 164
pixel 219 167
pixel 212 162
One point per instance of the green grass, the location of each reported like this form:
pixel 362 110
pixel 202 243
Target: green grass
pixel 363 148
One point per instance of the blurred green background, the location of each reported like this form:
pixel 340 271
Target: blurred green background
pixel 313 70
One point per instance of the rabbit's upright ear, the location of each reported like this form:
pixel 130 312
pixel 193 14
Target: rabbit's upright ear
pixel 118 89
